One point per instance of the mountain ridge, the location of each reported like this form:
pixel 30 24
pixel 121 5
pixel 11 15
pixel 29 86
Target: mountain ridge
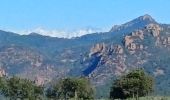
pixel 145 17
pixel 101 57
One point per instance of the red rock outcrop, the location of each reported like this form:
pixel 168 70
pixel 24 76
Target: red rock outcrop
pixel 154 29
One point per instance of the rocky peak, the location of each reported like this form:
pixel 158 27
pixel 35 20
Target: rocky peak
pixel 138 23
pixel 34 34
pixel 146 17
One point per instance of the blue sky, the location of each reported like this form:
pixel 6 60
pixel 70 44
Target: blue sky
pixel 77 14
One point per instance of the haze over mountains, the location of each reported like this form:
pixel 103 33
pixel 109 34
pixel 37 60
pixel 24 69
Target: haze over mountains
pixel 61 33
pixel 140 43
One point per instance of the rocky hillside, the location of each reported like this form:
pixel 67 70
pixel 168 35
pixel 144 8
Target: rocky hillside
pixel 147 48
pixel 27 63
pixel 140 43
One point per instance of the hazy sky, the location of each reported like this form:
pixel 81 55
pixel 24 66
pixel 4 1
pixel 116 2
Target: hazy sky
pixel 77 14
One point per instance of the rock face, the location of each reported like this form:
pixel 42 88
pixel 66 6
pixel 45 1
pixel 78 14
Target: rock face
pixel 111 56
pixel 134 41
pixel 128 40
pixel 154 29
pixel 103 48
pixel 98 48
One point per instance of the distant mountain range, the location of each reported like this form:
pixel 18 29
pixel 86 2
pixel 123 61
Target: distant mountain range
pixel 140 43
pixel 62 33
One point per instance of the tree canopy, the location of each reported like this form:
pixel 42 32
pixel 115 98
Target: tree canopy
pixel 136 83
pixel 17 88
pixel 78 88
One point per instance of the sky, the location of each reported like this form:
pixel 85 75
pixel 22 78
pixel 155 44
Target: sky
pixel 76 17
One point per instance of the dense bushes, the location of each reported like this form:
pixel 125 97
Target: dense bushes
pixel 134 84
pixel 16 88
